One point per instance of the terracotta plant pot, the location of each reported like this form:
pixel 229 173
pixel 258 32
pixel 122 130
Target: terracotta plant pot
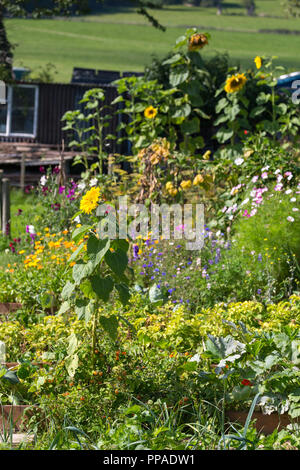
pixel 265 424
pixel 17 415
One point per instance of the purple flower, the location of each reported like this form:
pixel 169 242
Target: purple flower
pixel 56 170
pixel 55 206
pixel 42 169
pixel 61 189
pixel 259 291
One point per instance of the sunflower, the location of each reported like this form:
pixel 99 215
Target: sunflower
pixel 150 112
pixel 258 62
pixel 89 201
pixel 235 83
pixel 197 41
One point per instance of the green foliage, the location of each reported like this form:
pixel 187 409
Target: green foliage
pixel 274 231
pixel 86 129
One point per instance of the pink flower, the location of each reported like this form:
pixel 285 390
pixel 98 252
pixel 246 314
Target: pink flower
pixel 264 175
pixel 245 213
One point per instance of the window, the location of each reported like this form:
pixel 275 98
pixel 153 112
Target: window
pixel 19 116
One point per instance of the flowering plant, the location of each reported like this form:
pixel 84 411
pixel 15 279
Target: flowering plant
pixel 99 266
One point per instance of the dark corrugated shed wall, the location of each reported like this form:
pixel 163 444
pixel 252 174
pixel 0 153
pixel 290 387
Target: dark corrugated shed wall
pixel 55 100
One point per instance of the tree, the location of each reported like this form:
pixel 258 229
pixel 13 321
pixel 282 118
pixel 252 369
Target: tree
pixel 27 8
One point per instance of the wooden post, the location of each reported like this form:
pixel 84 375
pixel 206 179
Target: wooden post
pixel 22 177
pixel 62 176
pixel 5 207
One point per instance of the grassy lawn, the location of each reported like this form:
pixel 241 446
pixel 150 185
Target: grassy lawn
pixel 125 41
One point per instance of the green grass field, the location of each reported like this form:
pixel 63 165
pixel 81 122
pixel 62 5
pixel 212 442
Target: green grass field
pixel 124 40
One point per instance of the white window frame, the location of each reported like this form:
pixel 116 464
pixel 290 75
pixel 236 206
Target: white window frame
pixel 8 132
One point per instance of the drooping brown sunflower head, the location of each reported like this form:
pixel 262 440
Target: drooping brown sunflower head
pixel 235 83
pixel 197 41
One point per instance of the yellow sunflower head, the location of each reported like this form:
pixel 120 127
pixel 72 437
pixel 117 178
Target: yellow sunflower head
pixel 197 41
pixel 89 201
pixel 258 62
pixel 235 83
pixel 150 112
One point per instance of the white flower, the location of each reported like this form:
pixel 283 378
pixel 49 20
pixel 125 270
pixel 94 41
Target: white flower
pixel 293 199
pixel 239 161
pixel 94 182
pixel 276 172
pixel 81 186
pixel 31 229
pixel 77 219
pixel 290 219
pixel 288 191
pixel 295 209
pixel 43 180
pixel 245 202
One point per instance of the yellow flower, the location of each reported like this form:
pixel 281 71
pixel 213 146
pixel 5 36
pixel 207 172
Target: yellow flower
pixel 235 83
pixel 207 154
pixel 170 189
pixel 197 41
pixel 258 62
pixel 198 180
pixel 186 184
pixel 173 192
pixel 89 201
pixel 150 112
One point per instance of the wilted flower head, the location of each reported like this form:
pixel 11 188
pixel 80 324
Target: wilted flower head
pixel 197 41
